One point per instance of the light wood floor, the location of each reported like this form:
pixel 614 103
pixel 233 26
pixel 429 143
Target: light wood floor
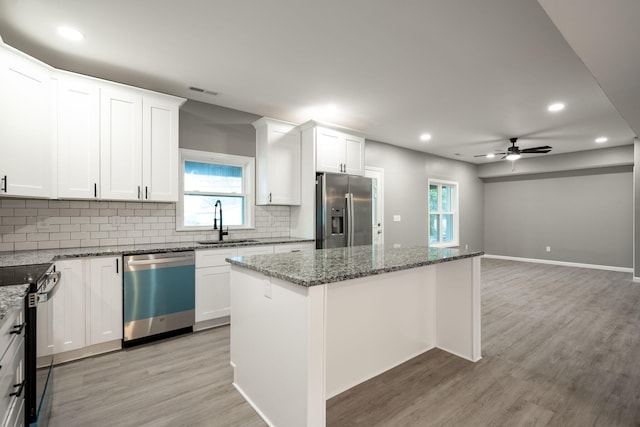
pixel 561 347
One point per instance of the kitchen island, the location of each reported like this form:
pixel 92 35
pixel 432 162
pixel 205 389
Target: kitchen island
pixel 310 325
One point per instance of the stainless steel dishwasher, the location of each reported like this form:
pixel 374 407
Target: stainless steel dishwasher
pixel 159 294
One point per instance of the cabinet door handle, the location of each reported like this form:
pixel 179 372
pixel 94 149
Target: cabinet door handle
pixel 146 192
pixel 117 266
pixel 269 197
pixel 4 184
pixel 139 192
pixel 95 190
pixel 18 392
pixel 17 329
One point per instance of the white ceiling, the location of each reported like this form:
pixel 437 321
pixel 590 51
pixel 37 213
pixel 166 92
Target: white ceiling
pixel 472 73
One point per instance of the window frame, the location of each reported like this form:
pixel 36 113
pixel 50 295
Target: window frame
pixel 455 212
pixel 248 184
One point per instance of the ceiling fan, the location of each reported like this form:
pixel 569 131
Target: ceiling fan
pixel 514 152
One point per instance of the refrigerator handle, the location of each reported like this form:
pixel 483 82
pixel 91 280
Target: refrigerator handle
pixel 350 237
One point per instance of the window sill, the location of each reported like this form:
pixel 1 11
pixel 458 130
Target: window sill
pixel 444 245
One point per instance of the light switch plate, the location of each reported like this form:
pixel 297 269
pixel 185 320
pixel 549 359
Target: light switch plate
pixel 396 218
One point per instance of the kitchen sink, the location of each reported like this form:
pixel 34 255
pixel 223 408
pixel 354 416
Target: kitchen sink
pixel 222 242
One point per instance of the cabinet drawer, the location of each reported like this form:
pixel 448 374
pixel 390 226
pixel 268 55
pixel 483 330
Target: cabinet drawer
pixel 12 327
pixel 214 257
pixel 255 250
pixel 295 247
pixel 11 376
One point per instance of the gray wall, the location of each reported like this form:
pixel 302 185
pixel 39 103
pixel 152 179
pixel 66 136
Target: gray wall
pixel 585 217
pixel 405 193
pixel 218 129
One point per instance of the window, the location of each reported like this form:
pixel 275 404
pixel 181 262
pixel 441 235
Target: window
pixel 207 177
pixel 443 213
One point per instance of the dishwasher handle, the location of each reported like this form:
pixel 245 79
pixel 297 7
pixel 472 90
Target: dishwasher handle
pixel 135 262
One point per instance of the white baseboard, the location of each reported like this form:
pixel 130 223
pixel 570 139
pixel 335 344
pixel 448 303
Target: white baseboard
pixel 564 263
pixel 636 279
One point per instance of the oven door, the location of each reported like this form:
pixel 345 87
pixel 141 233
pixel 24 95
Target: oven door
pixel 41 366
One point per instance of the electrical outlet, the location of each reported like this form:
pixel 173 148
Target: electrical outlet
pixel 396 218
pixel 267 288
pixel 548 248
pixel 466 247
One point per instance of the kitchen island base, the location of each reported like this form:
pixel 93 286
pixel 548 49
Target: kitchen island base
pixel 293 347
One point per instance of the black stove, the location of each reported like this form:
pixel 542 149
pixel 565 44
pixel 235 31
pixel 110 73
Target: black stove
pixel 22 274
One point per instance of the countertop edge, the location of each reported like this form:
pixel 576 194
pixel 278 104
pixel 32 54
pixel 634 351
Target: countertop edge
pixel 343 277
pixel 52 255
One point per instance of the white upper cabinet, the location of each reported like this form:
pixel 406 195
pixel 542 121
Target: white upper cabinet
pixel 72 136
pixel 277 162
pixel 337 151
pixel 354 155
pixel 330 150
pixel 27 131
pixel 120 144
pixel 139 145
pixel 78 137
pixel 160 148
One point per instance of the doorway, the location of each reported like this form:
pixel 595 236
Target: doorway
pixel 377 200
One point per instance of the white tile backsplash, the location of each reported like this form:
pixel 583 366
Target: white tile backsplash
pixel 50 224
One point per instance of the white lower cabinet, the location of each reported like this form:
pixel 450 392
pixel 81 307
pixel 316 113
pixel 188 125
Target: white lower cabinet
pixel 68 306
pixel 85 308
pixel 213 292
pixel 104 299
pixel 213 283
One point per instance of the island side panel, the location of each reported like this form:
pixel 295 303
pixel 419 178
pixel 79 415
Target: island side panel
pixel 458 308
pixel 375 323
pixel 271 340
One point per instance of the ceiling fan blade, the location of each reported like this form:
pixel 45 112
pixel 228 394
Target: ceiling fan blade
pixel 485 155
pixel 541 149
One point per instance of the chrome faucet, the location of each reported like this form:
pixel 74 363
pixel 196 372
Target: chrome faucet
pixel 215 221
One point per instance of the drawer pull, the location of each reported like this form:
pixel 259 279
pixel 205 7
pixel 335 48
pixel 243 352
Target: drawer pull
pixel 17 329
pixel 18 392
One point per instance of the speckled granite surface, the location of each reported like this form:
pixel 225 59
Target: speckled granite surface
pixel 8 259
pixel 11 296
pixel 334 265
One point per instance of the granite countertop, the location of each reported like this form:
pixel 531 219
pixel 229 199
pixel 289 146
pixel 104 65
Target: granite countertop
pixel 8 259
pixel 310 268
pixel 10 296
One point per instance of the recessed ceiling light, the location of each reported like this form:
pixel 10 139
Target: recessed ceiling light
pixel 490 156
pixel 601 139
pixel 425 137
pixel 555 107
pixel 70 33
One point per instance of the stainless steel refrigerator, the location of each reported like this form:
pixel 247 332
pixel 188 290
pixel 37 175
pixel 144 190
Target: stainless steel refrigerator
pixel 343 210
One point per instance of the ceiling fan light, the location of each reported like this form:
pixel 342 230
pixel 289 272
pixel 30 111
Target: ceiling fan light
pixel 513 157
pixel 555 107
